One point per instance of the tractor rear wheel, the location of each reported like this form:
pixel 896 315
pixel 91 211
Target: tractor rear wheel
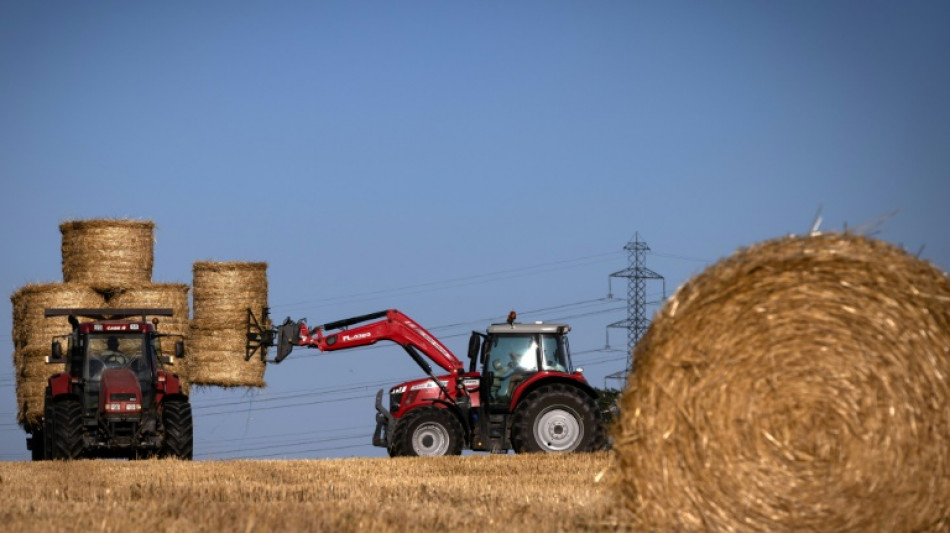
pixel 179 430
pixel 557 418
pixel 428 432
pixel 65 437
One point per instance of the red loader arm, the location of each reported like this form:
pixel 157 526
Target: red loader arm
pixel 395 327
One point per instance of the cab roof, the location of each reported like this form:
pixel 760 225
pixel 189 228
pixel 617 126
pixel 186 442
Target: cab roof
pixel 503 329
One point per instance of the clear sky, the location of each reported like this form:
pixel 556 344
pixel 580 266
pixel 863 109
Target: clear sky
pixel 456 161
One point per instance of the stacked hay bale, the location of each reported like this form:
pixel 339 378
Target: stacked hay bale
pixel 107 253
pixel 33 335
pixel 106 263
pixel 223 292
pixel 801 384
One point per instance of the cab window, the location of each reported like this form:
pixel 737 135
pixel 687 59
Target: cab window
pixel 553 357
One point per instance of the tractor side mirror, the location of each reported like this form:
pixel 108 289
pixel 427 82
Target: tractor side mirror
pixel 56 353
pixel 179 349
pixel 474 347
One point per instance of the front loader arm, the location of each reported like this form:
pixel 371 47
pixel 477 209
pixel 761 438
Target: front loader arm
pixel 394 326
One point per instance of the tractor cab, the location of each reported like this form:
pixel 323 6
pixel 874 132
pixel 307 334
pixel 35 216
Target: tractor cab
pixel 511 355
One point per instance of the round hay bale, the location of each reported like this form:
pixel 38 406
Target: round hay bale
pixel 33 337
pixel 30 391
pixel 161 295
pixel 801 384
pixel 107 253
pixel 223 291
pixel 30 327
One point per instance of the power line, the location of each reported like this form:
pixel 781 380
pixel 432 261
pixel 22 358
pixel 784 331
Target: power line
pixel 460 281
pixel 298 404
pixel 300 393
pixel 312 450
pixel 308 442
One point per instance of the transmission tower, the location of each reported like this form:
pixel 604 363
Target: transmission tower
pixel 637 275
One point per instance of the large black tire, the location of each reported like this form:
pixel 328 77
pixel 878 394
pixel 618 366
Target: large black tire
pixel 427 432
pixel 179 430
pixel 38 445
pixel 557 418
pixel 65 434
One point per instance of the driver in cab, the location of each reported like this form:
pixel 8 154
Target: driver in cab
pixel 112 356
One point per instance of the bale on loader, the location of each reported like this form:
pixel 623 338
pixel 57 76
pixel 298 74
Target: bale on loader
pixel 107 253
pixel 223 291
pixel 801 384
pixel 33 335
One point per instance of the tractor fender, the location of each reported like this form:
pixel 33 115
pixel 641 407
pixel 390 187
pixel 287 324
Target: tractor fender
pixel 169 383
pixel 451 407
pixel 60 384
pixel 540 379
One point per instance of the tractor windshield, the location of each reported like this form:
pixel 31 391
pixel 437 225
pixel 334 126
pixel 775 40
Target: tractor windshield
pixel 114 350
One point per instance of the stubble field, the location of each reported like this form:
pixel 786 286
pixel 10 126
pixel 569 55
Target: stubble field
pixel 471 493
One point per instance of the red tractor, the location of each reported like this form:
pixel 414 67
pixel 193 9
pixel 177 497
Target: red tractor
pixel 520 391
pixel 117 397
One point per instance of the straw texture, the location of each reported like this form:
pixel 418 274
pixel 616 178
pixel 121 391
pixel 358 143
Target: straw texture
pixel 107 253
pixel 33 335
pixel 802 384
pixel 223 291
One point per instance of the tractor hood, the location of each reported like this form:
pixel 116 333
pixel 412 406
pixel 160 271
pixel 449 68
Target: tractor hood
pixel 119 392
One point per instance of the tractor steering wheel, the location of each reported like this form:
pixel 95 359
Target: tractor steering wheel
pixel 116 360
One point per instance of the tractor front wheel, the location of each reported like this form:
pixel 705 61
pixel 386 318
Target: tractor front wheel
pixel 179 430
pixel 65 436
pixel 429 432
pixel 556 418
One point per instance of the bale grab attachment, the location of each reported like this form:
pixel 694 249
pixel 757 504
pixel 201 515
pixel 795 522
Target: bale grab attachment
pixel 261 335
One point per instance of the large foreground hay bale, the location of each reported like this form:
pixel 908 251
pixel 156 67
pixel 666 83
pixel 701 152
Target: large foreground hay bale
pixel 801 384
pixel 107 253
pixel 161 295
pixel 33 335
pixel 223 291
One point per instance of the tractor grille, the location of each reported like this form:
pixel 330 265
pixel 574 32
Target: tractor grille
pixel 122 397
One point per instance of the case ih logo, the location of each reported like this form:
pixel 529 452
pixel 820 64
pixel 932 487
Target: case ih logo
pixel 357 336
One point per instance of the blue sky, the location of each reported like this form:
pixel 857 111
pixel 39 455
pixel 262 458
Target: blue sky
pixel 456 161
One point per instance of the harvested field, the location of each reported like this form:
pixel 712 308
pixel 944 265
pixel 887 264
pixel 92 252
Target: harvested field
pixel 479 492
